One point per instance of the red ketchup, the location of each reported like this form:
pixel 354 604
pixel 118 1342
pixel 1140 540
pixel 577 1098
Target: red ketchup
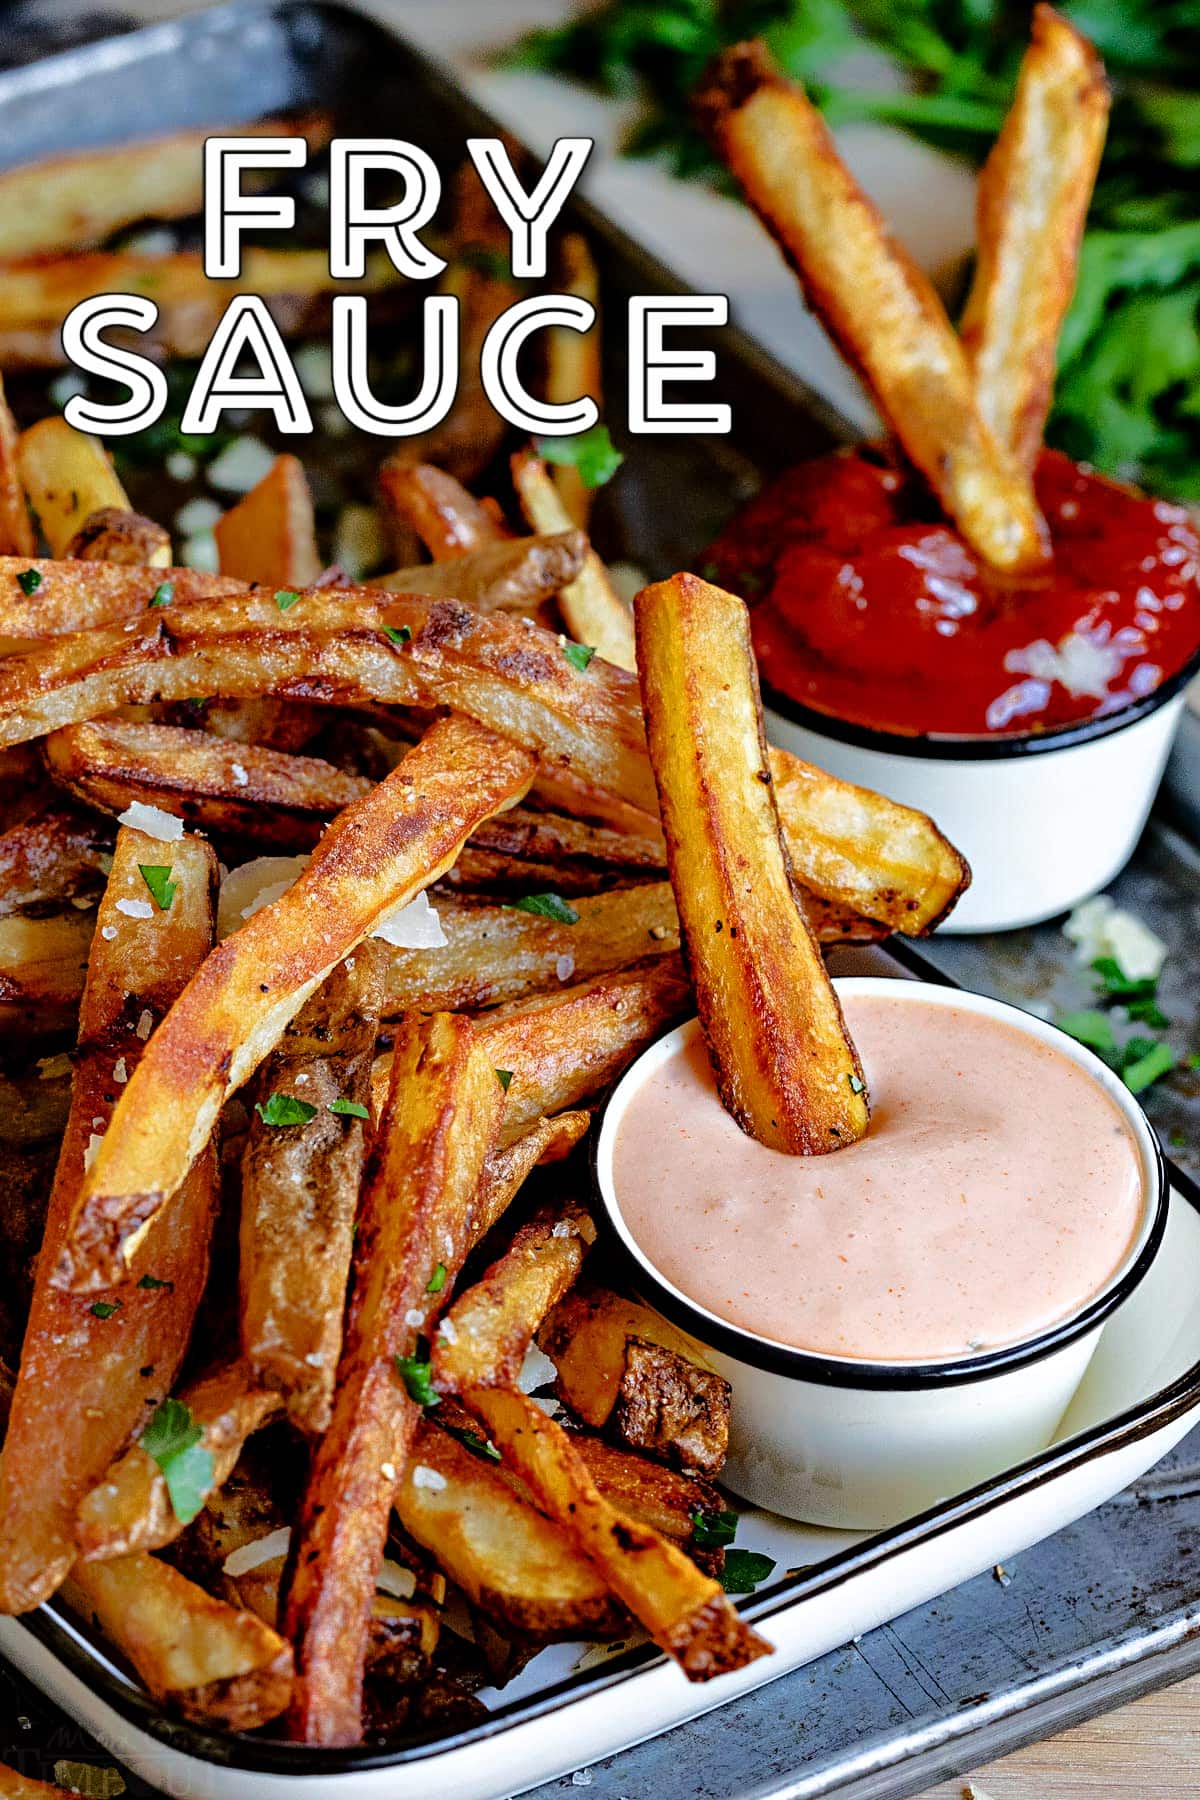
pixel 861 612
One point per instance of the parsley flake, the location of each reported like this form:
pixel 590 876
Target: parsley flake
pixel 712 1531
pixel 104 1309
pixel 285 1109
pixel 350 1109
pixel 857 1084
pixel 397 634
pixel 414 1373
pixel 285 597
pixel 477 1445
pixel 504 1077
pixel 578 655
pixel 744 1570
pixel 29 581
pixel 172 1438
pixel 152 1281
pixel 592 452
pixel 437 1280
pixel 546 906
pixel 163 594
pixel 158 879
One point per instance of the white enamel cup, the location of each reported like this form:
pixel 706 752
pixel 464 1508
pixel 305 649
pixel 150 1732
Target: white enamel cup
pixel 842 1442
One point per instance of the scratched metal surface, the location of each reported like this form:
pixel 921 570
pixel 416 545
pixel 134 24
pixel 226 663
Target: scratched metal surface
pixel 1093 1615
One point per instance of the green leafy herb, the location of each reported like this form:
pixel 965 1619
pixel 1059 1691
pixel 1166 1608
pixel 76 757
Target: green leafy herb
pixel 152 1281
pixel 163 594
pixel 712 1531
pixel 104 1309
pixel 744 1570
pixel 591 452
pixel 857 1084
pixel 172 1438
pixel 158 879
pixel 398 634
pixel 546 906
pixel 285 1109
pixel 478 1446
pixel 414 1373
pixel 1146 1063
pixel 29 581
pixel 437 1280
pixel 1095 1029
pixel 350 1109
pixel 578 655
pixel 285 598
pixel 504 1077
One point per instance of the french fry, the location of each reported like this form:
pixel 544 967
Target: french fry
pixel 130 1508
pixel 16 527
pixel 270 536
pixel 489 1328
pixel 625 1370
pixel 513 575
pixel 880 309
pixel 685 1611
pixel 68 596
pixel 594 612
pixel 75 202
pixel 565 1047
pixel 300 1190
pixel 42 966
pixel 508 1165
pixel 573 367
pixel 93 1368
pixel 449 521
pixel 113 536
pixel 55 854
pixel 520 1569
pixel 376 856
pixel 664 1499
pixel 416 1225
pixel 67 476
pixel 200 1657
pixel 334 645
pixel 1033 199
pixel 784 1063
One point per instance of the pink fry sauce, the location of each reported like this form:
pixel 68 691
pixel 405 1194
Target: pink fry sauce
pixel 997 1191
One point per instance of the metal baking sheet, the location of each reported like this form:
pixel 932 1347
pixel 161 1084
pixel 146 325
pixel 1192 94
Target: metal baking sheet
pixel 1102 1610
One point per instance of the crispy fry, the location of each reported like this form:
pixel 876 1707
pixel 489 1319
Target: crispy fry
pixel 624 1369
pixel 300 1191
pixel 376 856
pixel 16 527
pixel 662 1498
pixel 92 1368
pixel 877 305
pixel 68 597
pixel 508 1165
pixel 42 964
pixel 203 1659
pixel 573 366
pixel 510 576
pixel 784 1063
pixel 449 521
pixel 684 1611
pixel 332 646
pixel 488 1330
pixel 67 477
pixel 271 535
pixel 418 1217
pixel 563 1048
pixel 1033 199
pixel 594 612
pixel 519 1568
pixel 130 1509
pixel 75 202
pixel 55 854
pixel 113 536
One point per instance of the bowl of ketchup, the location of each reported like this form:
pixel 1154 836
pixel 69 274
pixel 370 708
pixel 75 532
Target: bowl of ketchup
pixel 1031 716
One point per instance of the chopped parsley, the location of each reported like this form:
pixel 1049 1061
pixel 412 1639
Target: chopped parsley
pixel 414 1373
pixel 350 1109
pixel 29 581
pixel 504 1077
pixel 578 655
pixel 285 598
pixel 477 1445
pixel 857 1084
pixel 285 1109
pixel 744 1570
pixel 712 1531
pixel 158 879
pixel 104 1309
pixel 397 634
pixel 152 1281
pixel 1138 1060
pixel 172 1438
pixel 592 452
pixel 163 594
pixel 546 906
pixel 437 1280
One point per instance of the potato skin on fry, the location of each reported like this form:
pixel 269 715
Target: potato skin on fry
pixel 880 309
pixel 784 1064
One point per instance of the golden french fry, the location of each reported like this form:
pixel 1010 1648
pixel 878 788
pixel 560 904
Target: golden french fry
pixel 113 536
pixel 785 1066
pixel 416 1225
pixel 685 1611
pixel 375 857
pixel 508 1165
pixel 1034 194
pixel 449 521
pixel 877 305
pixel 270 536
pixel 69 596
pixel 669 1502
pixel 491 1326
pixel 67 477
pixel 93 1367
pixel 513 575
pixel 55 854
pixel 130 1508
pixel 573 364
pixel 594 612
pixel 42 965
pixel 197 1655
pixel 16 527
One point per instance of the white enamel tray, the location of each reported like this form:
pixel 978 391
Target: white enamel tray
pixel 1141 1395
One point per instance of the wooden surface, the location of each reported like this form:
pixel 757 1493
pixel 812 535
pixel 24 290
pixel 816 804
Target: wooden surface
pixel 1145 1751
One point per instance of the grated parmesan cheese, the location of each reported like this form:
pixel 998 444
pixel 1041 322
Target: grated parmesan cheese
pixel 135 909
pixel 92 1150
pixel 108 933
pixel 412 927
pixel 197 518
pixel 447 1331
pixel 153 821
pixel 239 775
pixel 1101 928
pixel 425 1477
pixel 261 1550
pixel 394 1579
pixel 145 1024
pixel 120 1071
pixel 241 466
pixel 536 1371
pixel 253 885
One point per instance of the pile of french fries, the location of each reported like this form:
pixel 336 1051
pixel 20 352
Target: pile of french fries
pixel 320 1351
